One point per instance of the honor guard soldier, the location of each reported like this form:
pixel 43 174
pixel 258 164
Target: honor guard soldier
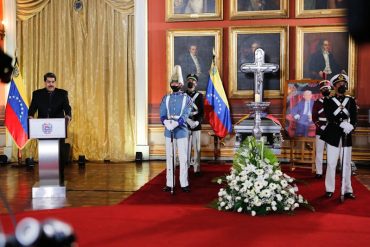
pixel 319 118
pixel 194 123
pixel 341 113
pixel 174 110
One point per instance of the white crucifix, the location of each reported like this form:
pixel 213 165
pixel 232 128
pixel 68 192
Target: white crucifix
pixel 259 67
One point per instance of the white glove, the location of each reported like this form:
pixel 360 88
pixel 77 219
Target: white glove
pixel 174 124
pixel 167 124
pixel 346 131
pixel 297 117
pixel 350 126
pixel 347 127
pixel 190 122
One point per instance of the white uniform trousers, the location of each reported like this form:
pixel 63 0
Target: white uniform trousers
pixel 182 147
pixel 320 145
pixel 194 145
pixel 332 159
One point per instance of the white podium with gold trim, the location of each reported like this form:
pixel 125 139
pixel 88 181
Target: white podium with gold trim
pixel 48 131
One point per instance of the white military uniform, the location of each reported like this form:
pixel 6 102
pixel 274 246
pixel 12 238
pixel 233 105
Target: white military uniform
pixel 175 108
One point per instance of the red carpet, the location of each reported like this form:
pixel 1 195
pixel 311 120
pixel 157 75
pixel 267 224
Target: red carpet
pixel 151 217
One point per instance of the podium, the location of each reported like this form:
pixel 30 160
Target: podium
pixel 48 131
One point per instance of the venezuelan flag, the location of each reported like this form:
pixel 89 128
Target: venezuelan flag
pixel 16 111
pixel 216 104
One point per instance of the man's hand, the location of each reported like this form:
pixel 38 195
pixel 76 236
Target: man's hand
pixel 190 122
pixel 174 124
pixel 167 124
pixel 297 117
pixel 170 124
pixel 347 127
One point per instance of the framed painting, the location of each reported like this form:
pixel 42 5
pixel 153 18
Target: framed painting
pixel 243 43
pixel 324 51
pixel 299 96
pixel 320 8
pixel 192 49
pixel 193 10
pixel 257 9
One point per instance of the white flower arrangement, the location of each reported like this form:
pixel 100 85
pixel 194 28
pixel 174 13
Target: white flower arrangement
pixel 256 185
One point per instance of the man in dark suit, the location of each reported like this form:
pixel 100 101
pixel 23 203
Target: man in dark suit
pixel 6 67
pixel 302 113
pixel 52 102
pixel 322 62
pixel 192 63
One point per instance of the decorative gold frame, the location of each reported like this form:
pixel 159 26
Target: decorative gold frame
pixel 216 33
pixel 171 16
pixel 234 32
pixel 325 31
pixel 300 12
pixel 282 12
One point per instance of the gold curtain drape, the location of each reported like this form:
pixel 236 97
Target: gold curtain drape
pixel 92 54
pixel 28 8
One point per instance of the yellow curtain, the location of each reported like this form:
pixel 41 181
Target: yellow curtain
pixel 28 8
pixel 92 54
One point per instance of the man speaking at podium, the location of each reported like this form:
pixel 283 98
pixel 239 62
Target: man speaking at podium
pixel 52 102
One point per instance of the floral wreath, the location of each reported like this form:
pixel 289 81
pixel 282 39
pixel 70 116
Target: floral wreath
pixel 256 185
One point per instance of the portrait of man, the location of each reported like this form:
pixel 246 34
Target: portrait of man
pixel 300 98
pixel 194 55
pixel 194 6
pixel 246 46
pixel 322 63
pixel 325 55
pixel 258 5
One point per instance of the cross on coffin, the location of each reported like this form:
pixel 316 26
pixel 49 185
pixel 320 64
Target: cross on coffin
pixel 259 67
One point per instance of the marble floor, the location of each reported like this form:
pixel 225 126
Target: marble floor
pixel 96 184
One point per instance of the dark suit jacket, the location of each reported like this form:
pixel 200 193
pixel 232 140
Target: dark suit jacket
pixel 55 105
pixel 188 65
pixel 317 64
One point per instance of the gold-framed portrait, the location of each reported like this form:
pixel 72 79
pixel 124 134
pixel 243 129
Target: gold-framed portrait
pixel 297 93
pixel 192 49
pixel 324 51
pixel 193 10
pixel 257 9
pixel 243 43
pixel 320 8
